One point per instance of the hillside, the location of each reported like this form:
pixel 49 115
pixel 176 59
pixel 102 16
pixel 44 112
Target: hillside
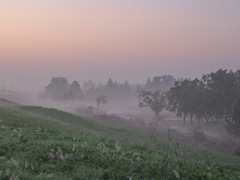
pixel 42 143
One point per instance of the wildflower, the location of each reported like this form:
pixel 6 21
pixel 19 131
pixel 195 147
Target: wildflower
pixel 176 174
pixel 123 154
pixel 99 146
pixel 26 164
pixel 49 175
pixel 74 148
pixel 7 171
pixel 66 156
pixel 105 149
pixel 52 150
pixel 51 154
pixel 12 177
pixel 59 150
pixel 2 157
pixel 62 157
pixel 84 144
pixel 14 162
pixel 19 134
pixel 117 147
pixel 136 154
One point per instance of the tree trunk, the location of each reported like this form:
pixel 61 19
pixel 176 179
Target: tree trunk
pixel 157 115
pixel 198 120
pixel 191 116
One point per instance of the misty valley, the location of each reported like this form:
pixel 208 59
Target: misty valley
pixel 167 128
pixel 119 90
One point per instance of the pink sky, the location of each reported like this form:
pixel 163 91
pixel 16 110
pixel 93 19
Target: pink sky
pixel 120 39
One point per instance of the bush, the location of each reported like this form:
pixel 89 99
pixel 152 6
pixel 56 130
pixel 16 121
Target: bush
pixel 198 135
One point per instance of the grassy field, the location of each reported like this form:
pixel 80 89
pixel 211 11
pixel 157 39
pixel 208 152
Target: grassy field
pixel 42 143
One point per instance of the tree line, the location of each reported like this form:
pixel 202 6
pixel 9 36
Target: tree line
pixel 60 89
pixel 214 97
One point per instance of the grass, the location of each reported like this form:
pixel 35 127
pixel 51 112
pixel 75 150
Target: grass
pixel 42 143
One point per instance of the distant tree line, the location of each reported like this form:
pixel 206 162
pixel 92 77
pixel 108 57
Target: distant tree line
pixel 60 89
pixel 112 90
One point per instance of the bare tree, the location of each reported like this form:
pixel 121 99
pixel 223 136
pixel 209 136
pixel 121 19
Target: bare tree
pixel 101 100
pixel 156 101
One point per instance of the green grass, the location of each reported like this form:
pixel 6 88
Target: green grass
pixel 42 143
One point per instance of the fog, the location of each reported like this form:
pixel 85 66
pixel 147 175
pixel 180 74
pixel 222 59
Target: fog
pixel 50 51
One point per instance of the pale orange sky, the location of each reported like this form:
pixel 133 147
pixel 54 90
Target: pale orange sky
pixel 121 39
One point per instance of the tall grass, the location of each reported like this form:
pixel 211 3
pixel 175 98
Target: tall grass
pixel 34 147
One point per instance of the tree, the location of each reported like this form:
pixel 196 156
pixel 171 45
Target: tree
pixel 209 98
pixel 75 86
pixel 57 88
pixel 156 101
pixel 178 98
pixel 101 100
pixel 110 84
pixel 126 87
pixel 233 124
pixel 187 98
pixel 223 86
pixel 76 90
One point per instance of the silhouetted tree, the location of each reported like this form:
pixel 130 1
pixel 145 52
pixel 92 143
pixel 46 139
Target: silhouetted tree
pixel 57 87
pixel 126 86
pixel 101 100
pixel 60 89
pixel 224 88
pixel 156 101
pixel 209 98
pixel 233 124
pixel 76 90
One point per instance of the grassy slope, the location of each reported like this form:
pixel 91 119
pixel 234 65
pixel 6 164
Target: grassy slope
pixel 48 143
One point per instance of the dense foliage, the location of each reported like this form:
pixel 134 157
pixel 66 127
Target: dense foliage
pixel 214 97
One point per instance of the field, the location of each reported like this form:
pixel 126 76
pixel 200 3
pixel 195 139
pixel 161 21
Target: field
pixel 43 143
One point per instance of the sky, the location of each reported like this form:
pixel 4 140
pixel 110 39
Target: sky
pixel 122 39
